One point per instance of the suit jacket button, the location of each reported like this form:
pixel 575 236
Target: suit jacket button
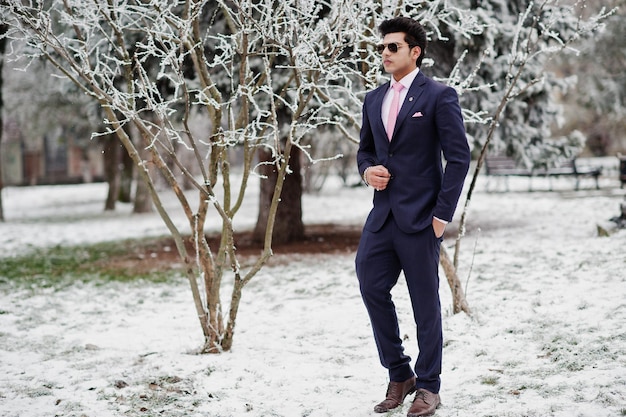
pixel 391 154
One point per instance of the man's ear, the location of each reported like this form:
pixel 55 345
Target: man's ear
pixel 416 51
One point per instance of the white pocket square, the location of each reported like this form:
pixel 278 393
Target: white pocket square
pixel 417 114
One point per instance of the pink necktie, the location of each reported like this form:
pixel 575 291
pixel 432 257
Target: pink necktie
pixel 393 110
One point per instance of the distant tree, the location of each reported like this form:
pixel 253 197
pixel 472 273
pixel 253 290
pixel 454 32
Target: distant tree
pixel 111 152
pixel 596 98
pixel 3 30
pixel 520 35
pixel 44 106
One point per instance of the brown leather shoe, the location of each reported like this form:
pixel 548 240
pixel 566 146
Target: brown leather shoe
pixel 424 404
pixel 396 393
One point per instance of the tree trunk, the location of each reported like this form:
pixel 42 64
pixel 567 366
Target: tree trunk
pixel 459 302
pixel 3 30
pixel 288 226
pixel 112 150
pixel 126 178
pixel 143 199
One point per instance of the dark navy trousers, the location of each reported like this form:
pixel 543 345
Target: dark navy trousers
pixel 380 258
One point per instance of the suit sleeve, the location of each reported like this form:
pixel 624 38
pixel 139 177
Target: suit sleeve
pixel 456 152
pixel 366 155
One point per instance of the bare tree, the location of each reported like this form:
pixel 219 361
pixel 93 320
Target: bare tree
pixel 541 31
pixel 251 62
pixel 599 72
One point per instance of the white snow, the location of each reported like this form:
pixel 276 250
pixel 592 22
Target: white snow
pixel 547 336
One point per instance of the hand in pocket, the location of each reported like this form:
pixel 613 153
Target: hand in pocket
pixel 438 227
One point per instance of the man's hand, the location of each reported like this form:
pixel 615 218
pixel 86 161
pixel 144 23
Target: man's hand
pixel 377 177
pixel 439 227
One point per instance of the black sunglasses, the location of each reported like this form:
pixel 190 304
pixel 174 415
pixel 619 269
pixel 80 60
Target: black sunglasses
pixel 392 46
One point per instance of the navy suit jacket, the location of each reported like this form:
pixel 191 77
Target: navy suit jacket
pixel 429 123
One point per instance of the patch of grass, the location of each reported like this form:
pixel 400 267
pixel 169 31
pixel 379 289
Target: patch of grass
pixel 59 266
pixel 489 380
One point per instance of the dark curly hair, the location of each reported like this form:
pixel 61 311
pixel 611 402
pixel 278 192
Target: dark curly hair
pixel 415 34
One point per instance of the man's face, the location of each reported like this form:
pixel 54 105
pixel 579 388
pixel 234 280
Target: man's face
pixel 401 62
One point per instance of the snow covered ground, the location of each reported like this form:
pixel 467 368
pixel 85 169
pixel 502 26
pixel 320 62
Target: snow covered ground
pixel 547 336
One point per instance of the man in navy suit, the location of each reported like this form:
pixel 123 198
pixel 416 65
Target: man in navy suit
pixel 400 156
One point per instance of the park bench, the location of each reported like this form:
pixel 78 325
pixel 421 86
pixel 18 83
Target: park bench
pixel 504 166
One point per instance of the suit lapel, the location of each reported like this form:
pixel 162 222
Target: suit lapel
pixel 377 103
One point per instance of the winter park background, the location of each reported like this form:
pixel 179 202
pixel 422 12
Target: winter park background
pixel 547 336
